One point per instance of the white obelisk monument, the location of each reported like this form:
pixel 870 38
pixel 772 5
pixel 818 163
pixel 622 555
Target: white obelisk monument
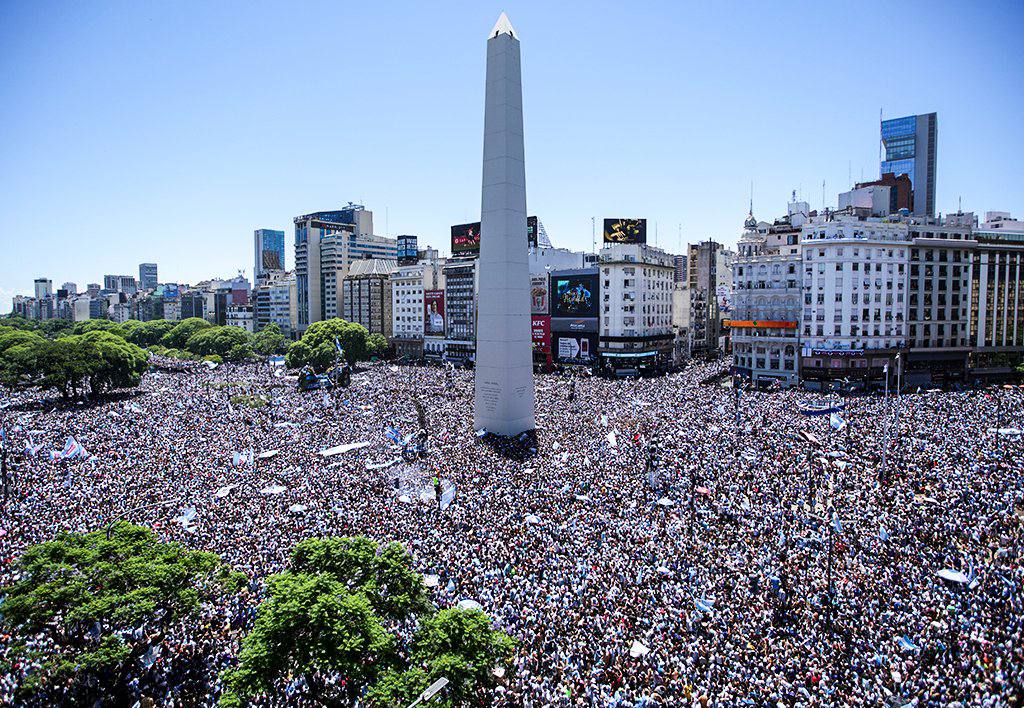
pixel 504 349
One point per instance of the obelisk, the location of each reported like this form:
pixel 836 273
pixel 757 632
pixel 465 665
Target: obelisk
pixel 504 350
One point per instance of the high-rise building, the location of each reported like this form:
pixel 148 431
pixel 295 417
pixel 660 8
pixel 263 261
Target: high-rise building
pixel 909 145
pixel 679 263
pixel 366 294
pixel 417 307
pixel 148 276
pixel 44 288
pixel 268 246
pixel 271 302
pixel 326 244
pixel 70 288
pixel 120 284
pixel 709 280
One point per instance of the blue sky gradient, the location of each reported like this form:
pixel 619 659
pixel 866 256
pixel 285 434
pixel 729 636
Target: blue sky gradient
pixel 167 132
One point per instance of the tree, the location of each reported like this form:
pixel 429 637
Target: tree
pixel 181 332
pixel 115 362
pixel 218 340
pixel 350 335
pixel 86 593
pixel 86 326
pixel 56 327
pixel 298 355
pixel 151 332
pixel 376 345
pixel 333 618
pixel 461 646
pixel 269 340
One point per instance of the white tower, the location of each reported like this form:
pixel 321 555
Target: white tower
pixel 504 352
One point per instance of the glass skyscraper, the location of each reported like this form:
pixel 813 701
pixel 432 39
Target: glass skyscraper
pixel 269 248
pixel 909 144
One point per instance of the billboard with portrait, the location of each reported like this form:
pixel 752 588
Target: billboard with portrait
pixel 433 312
pixel 574 348
pixel 539 294
pixel 466 238
pixel 625 230
pixel 574 295
pixel 271 260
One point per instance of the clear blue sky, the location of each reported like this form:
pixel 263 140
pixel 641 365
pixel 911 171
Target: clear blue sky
pixel 167 132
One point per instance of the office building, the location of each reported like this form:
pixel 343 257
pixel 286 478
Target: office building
pixel 326 244
pixel 909 148
pixel 681 274
pixel 366 294
pixel 460 288
pixel 271 301
pixel 120 284
pixel 43 288
pixel 268 248
pixel 70 288
pixel 709 280
pixel 148 278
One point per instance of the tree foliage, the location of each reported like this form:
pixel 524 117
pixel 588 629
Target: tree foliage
pixel 78 364
pixel 231 343
pixel 183 331
pixel 320 336
pixel 146 334
pixel 269 340
pixel 376 345
pixel 333 617
pixel 85 594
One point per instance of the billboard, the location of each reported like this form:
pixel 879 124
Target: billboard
pixel 466 238
pixel 625 230
pixel 531 231
pixel 408 250
pixel 433 312
pixel 540 329
pixel 539 294
pixel 574 295
pixel 571 348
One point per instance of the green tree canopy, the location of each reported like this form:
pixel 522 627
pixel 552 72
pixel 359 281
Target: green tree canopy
pixel 181 332
pixel 269 340
pixel 351 336
pixel 218 340
pixel 376 345
pixel 86 326
pixel 56 327
pixel 86 593
pixel 332 618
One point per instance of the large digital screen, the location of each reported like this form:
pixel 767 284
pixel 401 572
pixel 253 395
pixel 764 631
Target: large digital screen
pixel 466 238
pixel 272 260
pixel 433 312
pixel 625 230
pixel 531 231
pixel 574 348
pixel 408 252
pixel 574 295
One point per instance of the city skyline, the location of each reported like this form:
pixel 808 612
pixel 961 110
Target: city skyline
pixel 183 172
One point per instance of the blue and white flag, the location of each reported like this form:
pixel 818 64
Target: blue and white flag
pixel 447 497
pixel 883 535
pixel 72 449
pixel 906 644
pixel 239 459
pixel 837 525
pixel 836 421
pixel 32 449
pixel 393 435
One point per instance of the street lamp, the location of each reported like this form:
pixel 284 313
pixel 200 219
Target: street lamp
pixel 432 690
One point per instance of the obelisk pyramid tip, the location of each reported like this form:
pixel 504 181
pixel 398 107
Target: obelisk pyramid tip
pixel 502 26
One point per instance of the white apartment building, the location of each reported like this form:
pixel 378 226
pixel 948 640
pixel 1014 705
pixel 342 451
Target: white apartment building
pixel 636 306
pixel 855 284
pixel 408 308
pixel 241 316
pixel 271 301
pixel 767 299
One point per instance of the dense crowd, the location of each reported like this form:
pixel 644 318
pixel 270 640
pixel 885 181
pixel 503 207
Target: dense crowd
pixel 694 575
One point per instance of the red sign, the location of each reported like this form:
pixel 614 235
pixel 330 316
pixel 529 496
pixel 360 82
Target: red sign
pixel 540 326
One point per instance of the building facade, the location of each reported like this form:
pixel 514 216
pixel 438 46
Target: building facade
pixel 271 302
pixel 268 253
pixel 148 277
pixel 910 143
pixel 366 293
pixel 460 289
pixel 415 315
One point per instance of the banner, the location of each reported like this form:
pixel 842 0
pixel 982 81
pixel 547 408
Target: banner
pixel 625 230
pixel 433 312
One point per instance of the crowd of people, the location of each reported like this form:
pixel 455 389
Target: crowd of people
pixel 759 557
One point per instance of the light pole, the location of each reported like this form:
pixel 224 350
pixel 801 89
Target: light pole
pixel 432 690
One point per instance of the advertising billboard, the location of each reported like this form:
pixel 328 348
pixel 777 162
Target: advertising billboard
pixel 574 295
pixel 271 260
pixel 540 328
pixel 625 230
pixel 466 238
pixel 539 294
pixel 433 312
pixel 574 348
pixel 408 250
